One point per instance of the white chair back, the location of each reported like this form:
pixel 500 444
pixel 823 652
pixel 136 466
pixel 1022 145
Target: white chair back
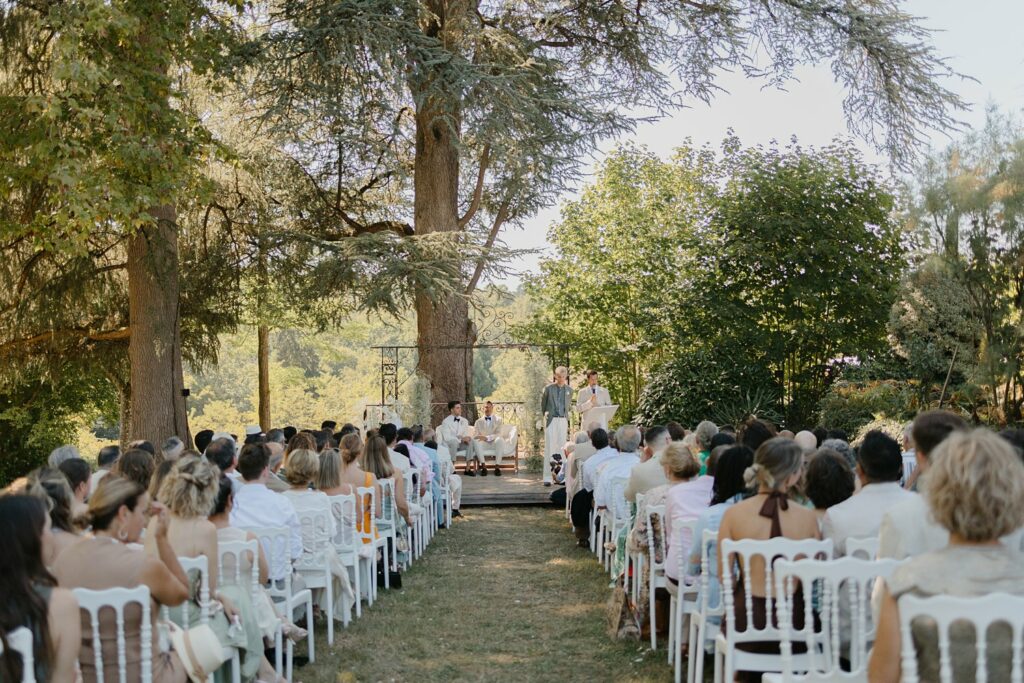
pixel 277 543
pixel 387 501
pixel 864 548
pixel 367 496
pixel 681 543
pixel 709 574
pixel 345 509
pixel 201 567
pixel 843 586
pixel 740 556
pixel 982 613
pixel 316 536
pixel 909 465
pixel 20 640
pixel 655 512
pixel 118 599
pixel 232 557
pixel 618 504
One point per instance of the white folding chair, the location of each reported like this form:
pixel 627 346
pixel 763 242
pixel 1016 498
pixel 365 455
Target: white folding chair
pixel 276 542
pixel 704 622
pixel 656 575
pixel 349 546
pixel 387 525
pixel 864 548
pixel 728 657
pixel 20 640
pixel 201 566
pixel 634 560
pixel 445 498
pixel 315 564
pixel 981 612
pixel 843 587
pixel 118 599
pixel 367 496
pixel 684 599
pixel 231 559
pixel 616 517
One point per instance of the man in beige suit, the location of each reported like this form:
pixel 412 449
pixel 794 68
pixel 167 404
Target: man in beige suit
pixel 487 430
pixel 649 472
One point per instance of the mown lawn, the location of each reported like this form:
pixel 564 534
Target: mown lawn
pixel 503 596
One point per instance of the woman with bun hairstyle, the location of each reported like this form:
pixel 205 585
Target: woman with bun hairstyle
pixel 777 470
pixel 111 559
pixel 189 492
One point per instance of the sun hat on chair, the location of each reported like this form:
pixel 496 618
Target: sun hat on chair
pixel 199 650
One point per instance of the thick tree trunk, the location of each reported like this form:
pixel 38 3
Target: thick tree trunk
pixel 154 350
pixel 263 354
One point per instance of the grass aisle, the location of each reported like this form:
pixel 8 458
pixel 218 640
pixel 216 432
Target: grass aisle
pixel 503 596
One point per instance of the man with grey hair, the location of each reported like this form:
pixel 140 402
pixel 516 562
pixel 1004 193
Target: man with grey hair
pixel 580 453
pixel 555 403
pixel 702 436
pixel 62 454
pixel 173 448
pixel 649 472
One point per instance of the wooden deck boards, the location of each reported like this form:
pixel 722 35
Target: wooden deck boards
pixel 524 488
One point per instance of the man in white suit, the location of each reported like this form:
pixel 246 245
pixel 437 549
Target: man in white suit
pixel 457 438
pixel 593 395
pixel 487 430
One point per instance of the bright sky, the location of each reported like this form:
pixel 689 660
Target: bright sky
pixel 982 39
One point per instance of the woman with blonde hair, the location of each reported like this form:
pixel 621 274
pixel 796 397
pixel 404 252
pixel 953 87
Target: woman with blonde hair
pixel 341 473
pixel 777 470
pixel 688 495
pixel 117 512
pixel 303 469
pixel 975 490
pixel 375 461
pixel 189 491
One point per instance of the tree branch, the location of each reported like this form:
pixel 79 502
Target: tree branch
pixel 478 191
pixel 499 220
pixel 83 333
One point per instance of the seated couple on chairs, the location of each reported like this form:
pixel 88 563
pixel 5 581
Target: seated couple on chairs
pixel 474 442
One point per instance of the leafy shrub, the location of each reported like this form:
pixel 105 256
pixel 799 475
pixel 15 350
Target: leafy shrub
pixel 886 425
pixel 707 384
pixel 851 405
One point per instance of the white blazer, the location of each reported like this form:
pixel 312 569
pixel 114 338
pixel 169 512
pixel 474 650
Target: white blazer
pixel 860 515
pixel 586 393
pixel 485 428
pixel 455 427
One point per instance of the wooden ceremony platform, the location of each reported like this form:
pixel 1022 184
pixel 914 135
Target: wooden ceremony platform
pixel 510 488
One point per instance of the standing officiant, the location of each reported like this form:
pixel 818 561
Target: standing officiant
pixel 593 395
pixel 555 404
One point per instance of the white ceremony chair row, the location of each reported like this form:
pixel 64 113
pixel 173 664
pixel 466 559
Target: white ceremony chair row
pixel 20 640
pixel 738 556
pixel 864 548
pixel 635 561
pixel 614 518
pixel 348 544
pixel 684 598
pixel 315 564
pixel 704 622
pixel 656 575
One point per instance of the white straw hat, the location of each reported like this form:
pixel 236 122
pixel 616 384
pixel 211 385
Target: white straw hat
pixel 199 650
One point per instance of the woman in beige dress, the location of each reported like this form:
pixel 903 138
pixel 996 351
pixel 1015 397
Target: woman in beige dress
pixel 117 511
pixel 975 490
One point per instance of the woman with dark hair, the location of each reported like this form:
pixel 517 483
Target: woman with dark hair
pixel 729 488
pixel 111 559
pixel 30 596
pixel 136 465
pixel 52 487
pixel 828 480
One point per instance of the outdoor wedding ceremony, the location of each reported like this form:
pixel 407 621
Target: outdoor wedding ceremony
pixel 512 341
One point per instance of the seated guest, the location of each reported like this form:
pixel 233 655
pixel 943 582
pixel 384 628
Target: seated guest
pixel 375 461
pixel 828 480
pixel 109 559
pixel 688 496
pixel 702 437
pixel 188 493
pixel 172 448
pixel 157 480
pixel 488 430
pixel 675 431
pixel 299 441
pixel 650 472
pixel 806 440
pixel 104 463
pixel 879 468
pixel 777 469
pixel 907 529
pixel 433 466
pixel 618 466
pixel 755 432
pixel 583 501
pixel 454 480
pixel 78 474
pixel 276 482
pixel 457 438
pixel 389 433
pixel 136 465
pixel 258 506
pixel 222 453
pixel 202 439
pixel 31 597
pixel 975 491
pixel 583 450
pixel 60 454
pixel 53 488
pixel 418 458
pixel 303 469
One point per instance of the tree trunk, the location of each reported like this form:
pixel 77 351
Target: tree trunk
pixel 154 350
pixel 263 353
pixel 440 322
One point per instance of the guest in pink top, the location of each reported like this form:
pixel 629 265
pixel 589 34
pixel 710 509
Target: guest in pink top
pixel 688 496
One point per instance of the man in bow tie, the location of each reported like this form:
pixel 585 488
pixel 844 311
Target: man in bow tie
pixel 488 430
pixel 457 438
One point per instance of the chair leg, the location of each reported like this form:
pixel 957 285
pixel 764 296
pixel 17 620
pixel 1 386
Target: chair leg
pixel 698 673
pixel 692 648
pixel 291 660
pixel 653 622
pixel 359 586
pixel 719 664
pixel 236 667
pixel 673 606
pixel 329 593
pixel 310 639
pixel 279 650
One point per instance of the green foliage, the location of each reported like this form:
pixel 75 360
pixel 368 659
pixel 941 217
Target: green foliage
pixel 851 405
pixel 886 425
pixel 697 385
